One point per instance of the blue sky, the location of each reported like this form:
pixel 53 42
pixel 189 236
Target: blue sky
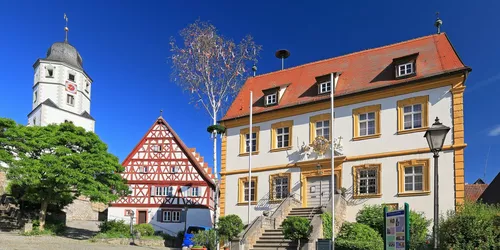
pixel 124 45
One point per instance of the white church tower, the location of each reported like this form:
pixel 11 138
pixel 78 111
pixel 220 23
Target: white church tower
pixel 61 88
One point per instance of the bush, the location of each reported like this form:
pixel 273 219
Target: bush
pixel 373 216
pixel 51 228
pixel 472 227
pixel 145 229
pixel 205 238
pixel 115 226
pixel 229 227
pixel 327 225
pixel 357 236
pixel 296 228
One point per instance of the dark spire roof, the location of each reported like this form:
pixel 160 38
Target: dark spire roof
pixel 65 52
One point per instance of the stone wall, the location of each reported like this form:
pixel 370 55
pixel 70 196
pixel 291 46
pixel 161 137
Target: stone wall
pixel 83 209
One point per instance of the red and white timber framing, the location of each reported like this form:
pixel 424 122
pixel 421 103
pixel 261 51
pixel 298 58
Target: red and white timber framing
pixel 162 172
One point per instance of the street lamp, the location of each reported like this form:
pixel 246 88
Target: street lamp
pixel 435 136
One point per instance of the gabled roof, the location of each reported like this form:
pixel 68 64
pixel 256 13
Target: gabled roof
pixel 492 194
pixel 360 71
pixel 474 191
pixel 194 158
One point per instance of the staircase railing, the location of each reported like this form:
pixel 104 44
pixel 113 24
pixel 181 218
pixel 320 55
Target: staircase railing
pixel 259 224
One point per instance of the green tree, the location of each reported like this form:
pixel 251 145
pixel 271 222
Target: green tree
pixel 53 165
pixel 296 228
pixel 373 216
pixel 473 226
pixel 229 227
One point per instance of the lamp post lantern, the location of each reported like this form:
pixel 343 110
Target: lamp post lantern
pixel 435 136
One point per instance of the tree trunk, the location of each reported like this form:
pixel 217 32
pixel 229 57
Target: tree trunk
pixel 43 213
pixel 298 245
pixel 216 198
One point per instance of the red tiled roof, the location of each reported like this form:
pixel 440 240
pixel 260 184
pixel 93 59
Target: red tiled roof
pixel 364 70
pixel 474 191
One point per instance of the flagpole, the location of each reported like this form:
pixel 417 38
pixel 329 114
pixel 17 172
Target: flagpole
pixel 332 117
pixel 250 136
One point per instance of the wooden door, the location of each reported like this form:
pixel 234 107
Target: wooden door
pixel 142 217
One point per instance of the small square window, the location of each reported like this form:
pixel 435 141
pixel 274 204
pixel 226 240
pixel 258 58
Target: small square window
pixel 405 69
pixel 271 99
pixel 156 148
pixel 195 191
pixel 325 87
pixel 70 100
pixel 71 77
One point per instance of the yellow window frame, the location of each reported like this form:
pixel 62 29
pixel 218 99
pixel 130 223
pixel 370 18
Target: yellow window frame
pixel 363 110
pixel 271 188
pixel 425 163
pixel 241 190
pixel 274 127
pixel 312 125
pixel 355 177
pixel 243 133
pixel 424 100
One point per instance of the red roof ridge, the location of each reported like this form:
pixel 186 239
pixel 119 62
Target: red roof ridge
pixel 350 54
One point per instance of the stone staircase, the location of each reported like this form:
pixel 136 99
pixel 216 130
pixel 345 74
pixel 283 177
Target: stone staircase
pixel 274 238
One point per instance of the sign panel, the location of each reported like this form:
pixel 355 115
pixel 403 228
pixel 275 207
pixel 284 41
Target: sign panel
pixel 396 234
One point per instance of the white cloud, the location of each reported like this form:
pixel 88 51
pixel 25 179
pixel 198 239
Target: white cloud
pixel 495 131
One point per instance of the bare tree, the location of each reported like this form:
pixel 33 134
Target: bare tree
pixel 213 69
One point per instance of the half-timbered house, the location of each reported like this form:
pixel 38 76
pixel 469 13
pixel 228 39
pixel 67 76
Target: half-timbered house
pixel 171 187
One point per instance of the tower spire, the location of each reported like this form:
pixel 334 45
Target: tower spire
pixel 66 29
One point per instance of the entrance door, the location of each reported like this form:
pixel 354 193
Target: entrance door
pixel 318 191
pixel 142 217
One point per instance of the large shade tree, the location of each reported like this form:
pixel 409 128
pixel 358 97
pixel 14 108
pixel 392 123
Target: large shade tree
pixel 53 165
pixel 212 68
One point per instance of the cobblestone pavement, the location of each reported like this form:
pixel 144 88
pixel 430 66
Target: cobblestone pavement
pixel 14 241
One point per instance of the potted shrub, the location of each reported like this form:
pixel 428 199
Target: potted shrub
pixel 229 227
pixel 296 228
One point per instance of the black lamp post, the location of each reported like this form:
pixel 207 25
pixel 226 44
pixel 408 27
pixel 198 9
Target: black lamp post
pixel 435 136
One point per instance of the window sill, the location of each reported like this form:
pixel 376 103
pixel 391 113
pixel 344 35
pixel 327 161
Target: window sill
pixel 170 221
pixel 414 193
pixel 281 149
pixel 245 203
pixel 247 154
pixel 49 77
pixel 357 196
pixel 366 137
pixel 415 130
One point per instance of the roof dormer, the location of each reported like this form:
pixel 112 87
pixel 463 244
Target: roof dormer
pixel 324 82
pixel 405 66
pixel 272 96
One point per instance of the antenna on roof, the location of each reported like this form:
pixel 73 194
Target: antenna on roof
pixel 486 164
pixel 161 112
pixel 254 69
pixel 283 54
pixel 438 23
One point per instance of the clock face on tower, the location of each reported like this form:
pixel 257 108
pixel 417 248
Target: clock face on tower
pixel 71 87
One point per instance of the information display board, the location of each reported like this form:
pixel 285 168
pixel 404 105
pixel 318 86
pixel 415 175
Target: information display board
pixel 397 225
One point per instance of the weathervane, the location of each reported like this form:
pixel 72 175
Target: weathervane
pixel 438 23
pixel 66 27
pixel 161 112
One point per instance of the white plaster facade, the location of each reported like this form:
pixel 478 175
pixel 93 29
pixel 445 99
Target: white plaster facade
pixel 439 105
pixel 54 88
pixel 194 217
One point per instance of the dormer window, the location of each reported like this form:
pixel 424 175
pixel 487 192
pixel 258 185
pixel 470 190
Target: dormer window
pixel 324 87
pixel 271 99
pixel 405 66
pixel 405 69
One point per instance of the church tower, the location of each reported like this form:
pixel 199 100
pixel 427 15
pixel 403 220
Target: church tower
pixel 61 88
